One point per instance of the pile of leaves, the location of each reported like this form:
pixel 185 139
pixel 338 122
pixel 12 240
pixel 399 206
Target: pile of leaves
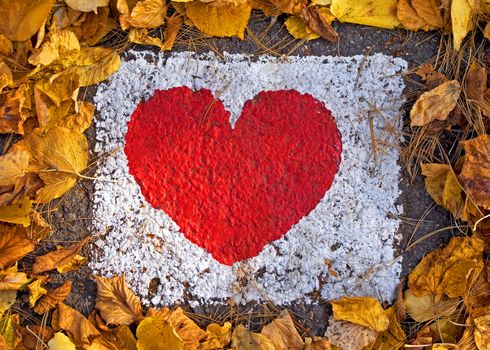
pixel 50 51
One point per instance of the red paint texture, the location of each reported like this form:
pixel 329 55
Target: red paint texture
pixel 232 191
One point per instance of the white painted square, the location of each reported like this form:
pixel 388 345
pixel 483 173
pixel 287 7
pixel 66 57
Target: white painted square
pixel 350 229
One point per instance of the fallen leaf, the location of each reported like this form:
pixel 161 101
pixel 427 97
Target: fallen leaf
pixel 6 46
pixel 482 332
pixel 60 342
pixel 13 166
pixel 221 20
pixel 218 336
pixel 86 5
pixel 283 333
pixel 365 311
pixel 81 120
pixel 116 302
pixel 15 109
pixel 445 270
pixel 9 330
pixel 430 307
pixel 14 245
pixel 61 47
pixel 408 16
pixel 297 27
pixel 94 26
pixel 477 296
pixel 462 15
pixel 80 330
pixel 59 257
pixel 53 298
pixel 188 330
pixel 423 338
pixel 243 339
pixel 141 36
pixel 39 228
pixel 22 19
pixel 95 64
pixel 36 290
pixel 394 337
pixel 348 335
pixel 73 264
pixel 174 24
pixel 6 78
pixel 148 14
pixel 428 10
pixel 318 344
pixel 377 13
pixel 475 174
pixel 432 77
pixel 34 335
pixel 435 104
pixel 11 279
pixel 17 213
pixel 486 31
pixel 318 23
pixel 7 299
pixel 155 333
pixel 476 82
pixel 446 330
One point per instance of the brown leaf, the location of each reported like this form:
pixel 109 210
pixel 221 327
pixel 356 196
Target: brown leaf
pixel 15 109
pixel 482 332
pixel 14 245
pixel 59 257
pixel 188 330
pixel 477 297
pixel 80 330
pixel 432 77
pixel 422 338
pixel 475 174
pixel 218 336
pixel 283 333
pixel 6 46
pixel 116 302
pixel 174 24
pixel 243 339
pixel 365 311
pixel 39 228
pixel 318 344
pixel 53 298
pixel 408 16
pixel 476 82
pixel 428 10
pixel 22 19
pixel 318 23
pixel 34 335
pixel 6 78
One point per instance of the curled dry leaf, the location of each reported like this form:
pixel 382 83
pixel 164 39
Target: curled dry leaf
pixel 14 244
pixel 116 302
pixel 365 311
pixel 243 339
pixel 33 335
pixel 155 333
pixel 476 86
pixel 86 5
pixel 475 174
pixel 445 270
pixel 377 13
pixel 394 337
pixel 80 330
pixel 36 290
pixel 174 24
pixel 22 19
pixel 53 298
pixel 218 336
pixel 60 47
pixel 39 228
pixel 221 20
pixel 59 257
pixel 319 23
pixel 435 104
pixel 283 333
pixel 60 342
pixel 81 120
pixel 6 78
pixel 348 335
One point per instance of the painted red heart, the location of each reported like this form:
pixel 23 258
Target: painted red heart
pixel 233 190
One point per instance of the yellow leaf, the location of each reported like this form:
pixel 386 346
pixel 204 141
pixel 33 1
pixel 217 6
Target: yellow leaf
pixel 154 333
pixel 73 264
pixel 283 333
pixel 219 19
pixel 80 330
pixel 408 16
pixel 13 165
pixel 475 174
pixel 462 16
pixel 36 290
pixel 81 120
pixel 61 47
pixel 5 75
pixel 11 279
pixel 218 336
pixel 174 24
pixel 148 14
pixel 365 311
pixel 394 337
pixel 22 19
pixel 441 270
pixel 17 213
pixel 435 104
pixel 243 339
pixel 140 36
pixel 60 342
pixel 95 64
pixel 116 302
pixel 14 244
pixel 86 5
pixel 55 185
pixel 58 257
pixel 429 307
pixel 486 32
pixel 482 332
pixel 7 299
pixel 377 13
pixel 9 329
pixel 349 336
pixel 428 10
pixel 187 329
pixel 6 46
pixel 54 297
pixel 297 27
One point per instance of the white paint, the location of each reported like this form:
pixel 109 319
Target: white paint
pixel 349 227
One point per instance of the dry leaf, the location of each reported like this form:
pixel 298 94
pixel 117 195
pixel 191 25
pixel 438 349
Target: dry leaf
pixel 432 77
pixel 365 311
pixel 475 174
pixel 221 20
pixel 318 23
pixel 445 270
pixel 394 337
pixel 6 78
pixel 22 19
pixel 476 82
pixel 482 332
pixel 13 166
pixel 14 245
pixel 141 36
pixel 297 27
pixel 188 330
pixel 349 336
pixel 81 120
pixel 148 14
pixel 9 331
pixel 39 228
pixel 53 298
pixel 80 330
pixel 73 264
pixel 15 109
pixel 243 339
pixel 155 333
pixel 477 297
pixel 6 46
pixel 174 24
pixel 7 299
pixel 86 5
pixel 408 16
pixel 428 10
pixel 435 104
pixel 34 335
pixel 116 302
pixel 218 336
pixel 462 15
pixel 60 342
pixel 59 257
pixel 429 307
pixel 17 213
pixel 283 333
pixel 95 64
pixel 318 344
pixel 377 13
pixel 61 47
pixel 446 330
pixel 11 279
pixel 36 290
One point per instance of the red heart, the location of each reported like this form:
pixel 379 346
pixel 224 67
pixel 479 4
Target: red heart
pixel 232 191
